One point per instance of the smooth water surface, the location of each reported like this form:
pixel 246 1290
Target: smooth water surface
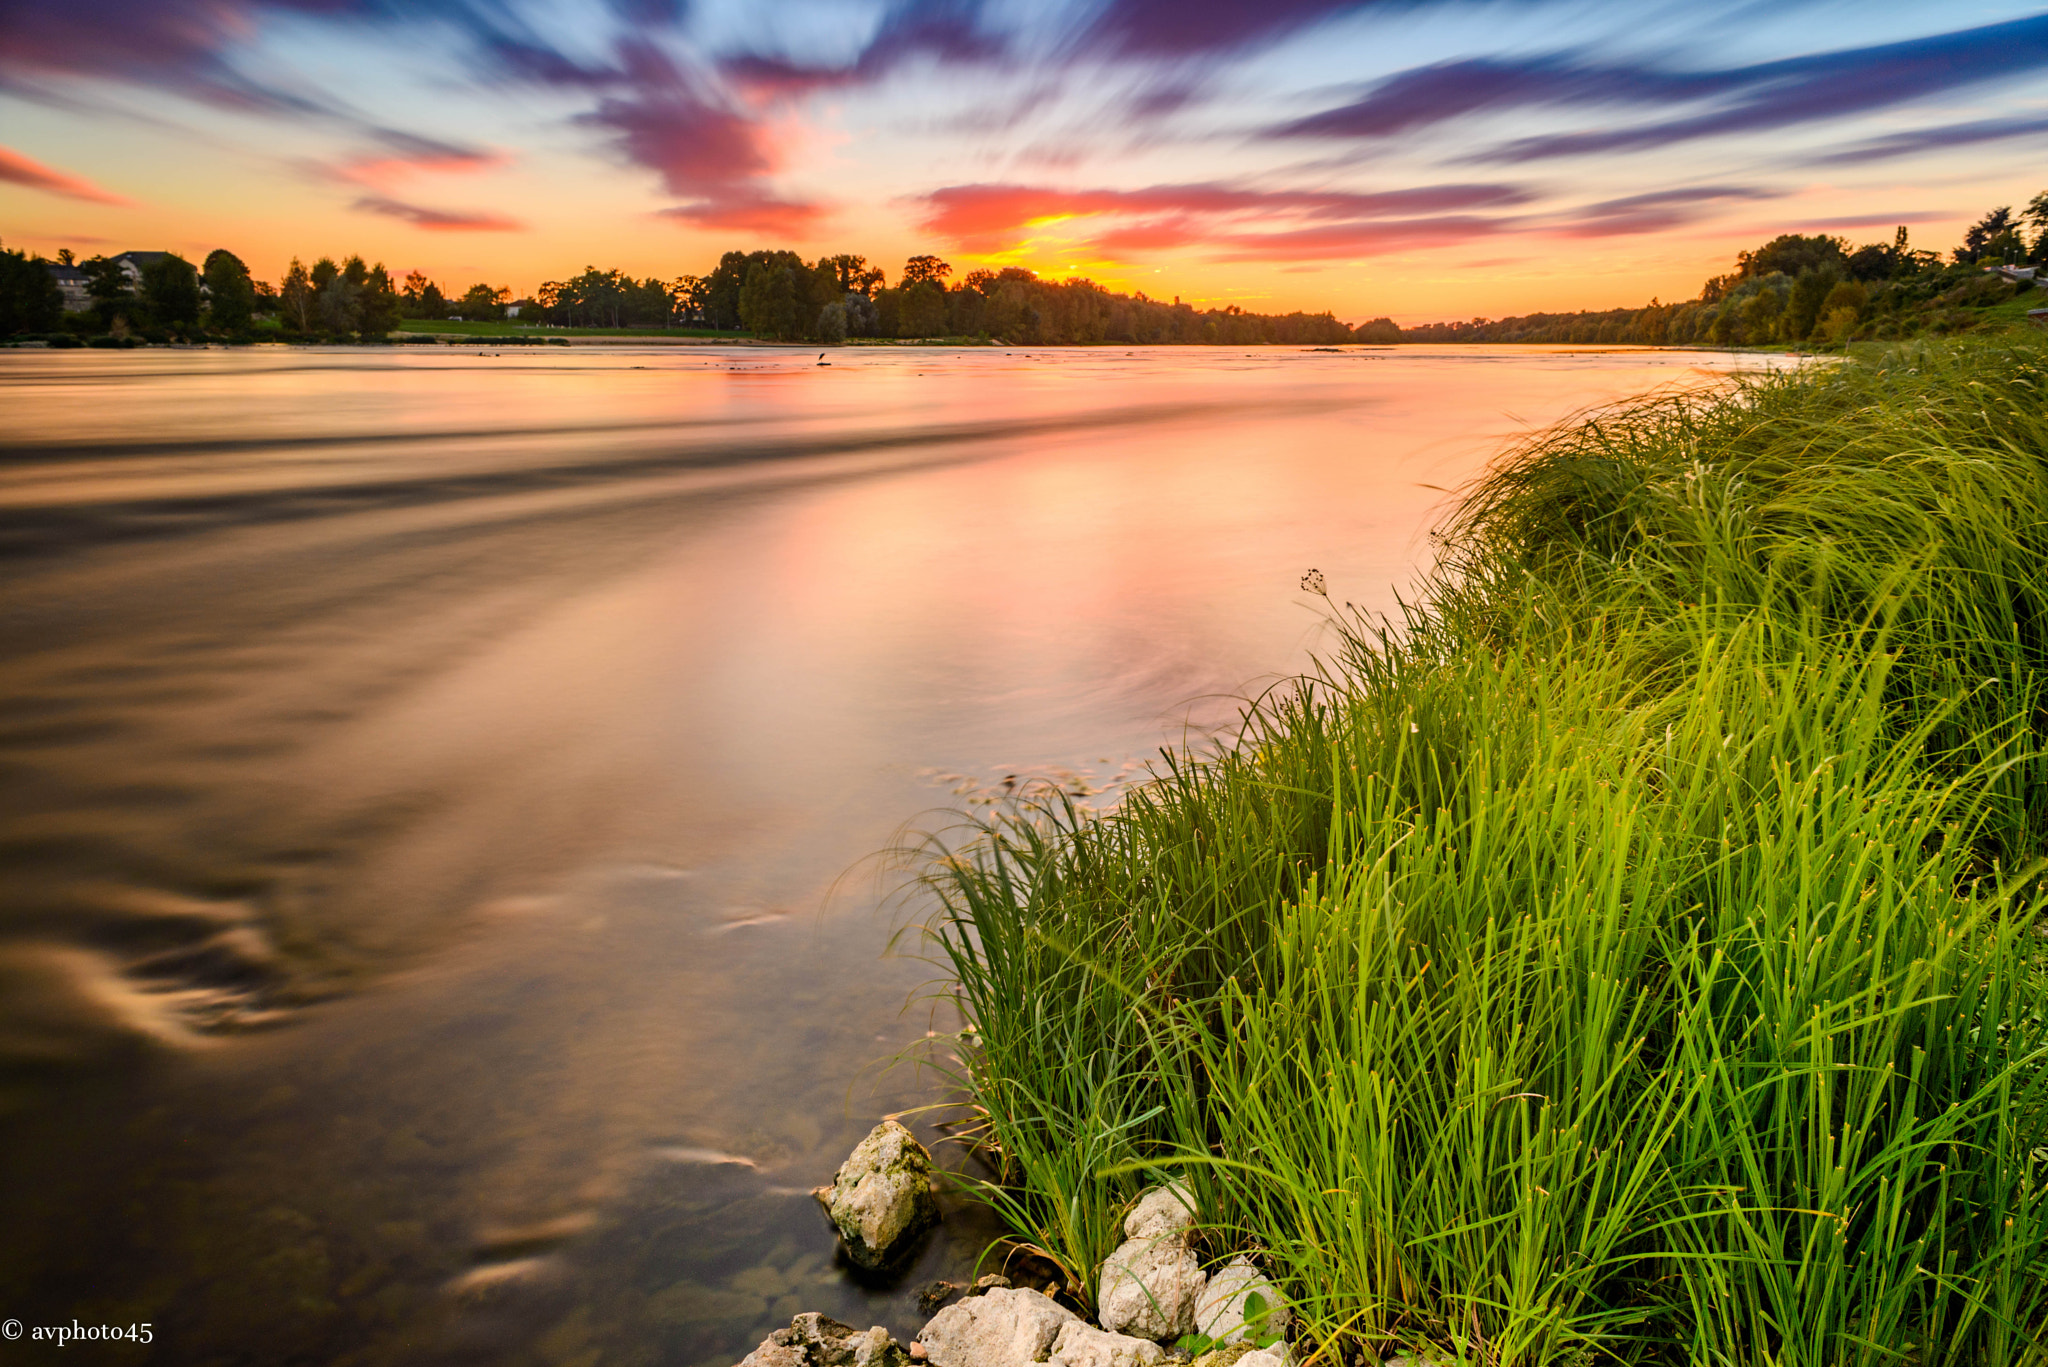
pixel 435 786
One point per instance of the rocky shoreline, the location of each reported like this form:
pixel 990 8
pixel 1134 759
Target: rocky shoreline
pixel 1152 1292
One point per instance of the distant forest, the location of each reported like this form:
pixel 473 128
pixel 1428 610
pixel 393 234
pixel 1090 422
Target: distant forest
pixel 775 295
pixel 1806 290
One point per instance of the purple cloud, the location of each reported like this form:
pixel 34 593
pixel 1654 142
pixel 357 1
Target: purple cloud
pixel 1935 140
pixel 438 220
pixel 1196 28
pixel 1768 95
pixel 1656 211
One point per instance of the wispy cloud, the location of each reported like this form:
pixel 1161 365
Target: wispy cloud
pixel 989 217
pixel 438 220
pixel 1939 139
pixel 1198 28
pixel 1656 211
pixel 1357 241
pixel 1757 98
pixel 16 169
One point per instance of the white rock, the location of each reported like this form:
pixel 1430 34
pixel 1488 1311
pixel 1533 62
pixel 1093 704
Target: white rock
pixel 1150 1288
pixel 882 1193
pixel 1000 1328
pixel 1275 1356
pixel 1083 1345
pixel 814 1340
pixel 1221 1314
pixel 1161 1210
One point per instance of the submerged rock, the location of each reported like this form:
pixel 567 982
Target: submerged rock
pixel 999 1328
pixel 1224 1314
pixel 1083 1345
pixel 1152 1284
pixel 882 1194
pixel 814 1340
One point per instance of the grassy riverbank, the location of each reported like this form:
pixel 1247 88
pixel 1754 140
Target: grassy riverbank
pixel 1630 953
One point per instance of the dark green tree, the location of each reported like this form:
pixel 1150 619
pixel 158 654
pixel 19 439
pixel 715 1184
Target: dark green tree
pixel 2036 213
pixel 920 270
pixel 852 274
pixel 481 301
pixel 421 298
pixel 170 288
pixel 772 299
pixel 231 294
pixel 922 310
pixel 296 297
pixel 1790 254
pixel 1809 291
pixel 1992 238
pixel 109 289
pixel 29 298
pixel 377 304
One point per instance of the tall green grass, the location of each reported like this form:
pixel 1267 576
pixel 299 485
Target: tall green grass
pixel 1627 954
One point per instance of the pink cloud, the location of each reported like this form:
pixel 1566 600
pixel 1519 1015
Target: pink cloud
pixel 705 152
pixel 379 170
pixel 438 220
pixel 749 212
pixel 990 217
pixel 1345 241
pixel 17 169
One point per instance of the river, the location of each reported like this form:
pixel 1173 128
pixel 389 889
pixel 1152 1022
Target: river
pixel 441 790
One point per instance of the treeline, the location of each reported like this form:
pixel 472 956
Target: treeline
pixel 1816 290
pixel 171 299
pixel 778 295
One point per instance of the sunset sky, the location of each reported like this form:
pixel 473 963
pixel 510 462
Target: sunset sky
pixel 1433 159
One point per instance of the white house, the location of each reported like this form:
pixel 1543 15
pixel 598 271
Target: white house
pixel 71 283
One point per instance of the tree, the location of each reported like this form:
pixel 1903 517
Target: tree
pixel 295 297
pixel 334 297
pixel 770 303
pixel 1994 237
pixel 831 328
pixel 1790 254
pixel 687 292
pixel 107 285
pixel 2036 213
pixel 1760 315
pixel 421 298
pixel 922 310
pixel 484 301
pixel 231 294
pixel 377 304
pixel 1842 310
pixel 919 270
pixel 852 274
pixel 171 289
pixel 1809 291
pixel 29 298
pixel 1378 331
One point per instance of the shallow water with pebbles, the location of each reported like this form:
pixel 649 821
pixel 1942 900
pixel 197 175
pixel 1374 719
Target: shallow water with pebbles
pixel 436 791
